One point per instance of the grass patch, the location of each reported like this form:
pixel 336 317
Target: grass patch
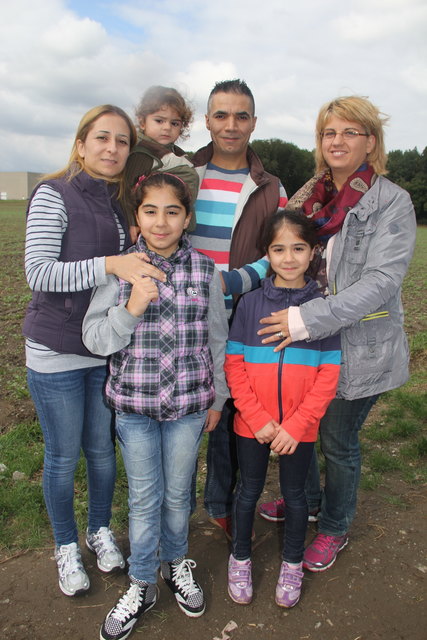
pixel 394 440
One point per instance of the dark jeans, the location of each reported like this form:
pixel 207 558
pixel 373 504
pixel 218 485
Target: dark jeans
pixel 253 461
pixel 339 443
pixel 222 465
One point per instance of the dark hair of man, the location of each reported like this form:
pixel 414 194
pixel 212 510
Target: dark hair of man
pixel 232 86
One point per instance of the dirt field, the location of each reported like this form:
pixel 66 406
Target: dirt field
pixel 376 590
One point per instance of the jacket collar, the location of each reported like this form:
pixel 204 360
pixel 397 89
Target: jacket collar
pixel 369 202
pixel 181 255
pixel 297 296
pixel 256 170
pixel 84 182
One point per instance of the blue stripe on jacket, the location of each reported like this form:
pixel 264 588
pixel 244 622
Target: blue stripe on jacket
pixel 293 355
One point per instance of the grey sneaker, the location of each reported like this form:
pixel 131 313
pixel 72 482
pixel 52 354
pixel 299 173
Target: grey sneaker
pixel 73 578
pixel 108 555
pixel 139 598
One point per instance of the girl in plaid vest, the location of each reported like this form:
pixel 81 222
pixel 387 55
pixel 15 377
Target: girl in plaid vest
pixel 167 386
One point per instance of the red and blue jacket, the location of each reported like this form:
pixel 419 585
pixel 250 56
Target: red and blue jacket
pixel 293 386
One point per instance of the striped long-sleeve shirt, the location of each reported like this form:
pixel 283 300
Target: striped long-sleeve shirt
pixel 218 207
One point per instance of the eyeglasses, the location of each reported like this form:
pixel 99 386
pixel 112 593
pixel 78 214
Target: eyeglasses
pixel 347 134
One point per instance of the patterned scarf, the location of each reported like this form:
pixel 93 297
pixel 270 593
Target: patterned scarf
pixel 320 201
pixel 328 207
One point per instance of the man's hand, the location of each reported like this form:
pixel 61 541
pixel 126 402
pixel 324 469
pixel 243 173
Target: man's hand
pixel 276 324
pixel 212 419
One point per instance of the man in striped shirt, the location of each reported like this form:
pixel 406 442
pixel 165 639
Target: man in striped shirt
pixel 235 197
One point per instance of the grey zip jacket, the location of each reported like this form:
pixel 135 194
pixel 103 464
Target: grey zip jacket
pixel 369 259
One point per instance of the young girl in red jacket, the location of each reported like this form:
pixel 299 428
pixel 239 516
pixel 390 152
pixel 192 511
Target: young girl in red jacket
pixel 280 398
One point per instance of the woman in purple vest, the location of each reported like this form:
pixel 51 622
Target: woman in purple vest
pixel 75 231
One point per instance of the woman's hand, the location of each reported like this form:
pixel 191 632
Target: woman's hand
pixel 267 433
pixel 144 291
pixel 284 443
pixel 131 266
pixel 212 419
pixel 133 233
pixel 277 324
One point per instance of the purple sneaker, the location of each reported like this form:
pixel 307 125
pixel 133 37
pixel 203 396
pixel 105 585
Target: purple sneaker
pixel 240 580
pixel 288 589
pixel 322 552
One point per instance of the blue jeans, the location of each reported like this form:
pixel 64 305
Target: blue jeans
pixel 339 443
pixel 73 416
pixel 222 465
pixel 159 458
pixel 253 463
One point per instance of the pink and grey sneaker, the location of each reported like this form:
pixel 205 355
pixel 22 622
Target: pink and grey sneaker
pixel 322 552
pixel 288 589
pixel 240 580
pixel 274 511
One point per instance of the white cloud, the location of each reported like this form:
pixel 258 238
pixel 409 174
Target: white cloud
pixel 57 61
pixel 72 37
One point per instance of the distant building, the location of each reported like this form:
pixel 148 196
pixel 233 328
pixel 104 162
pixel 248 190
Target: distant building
pixel 17 185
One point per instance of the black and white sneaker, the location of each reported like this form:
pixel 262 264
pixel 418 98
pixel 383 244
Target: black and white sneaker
pixel 188 593
pixel 138 599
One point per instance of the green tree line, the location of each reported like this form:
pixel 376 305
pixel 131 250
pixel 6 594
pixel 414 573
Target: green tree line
pixel 294 166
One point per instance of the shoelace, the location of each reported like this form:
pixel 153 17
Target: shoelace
pixel 324 542
pixel 103 541
pixel 240 575
pixel 128 604
pixel 183 577
pixel 69 560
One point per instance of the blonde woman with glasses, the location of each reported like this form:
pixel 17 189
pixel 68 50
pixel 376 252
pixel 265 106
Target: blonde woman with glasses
pixel 366 229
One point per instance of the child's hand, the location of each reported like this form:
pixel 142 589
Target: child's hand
pixel 268 432
pixel 212 420
pixel 284 443
pixel 144 291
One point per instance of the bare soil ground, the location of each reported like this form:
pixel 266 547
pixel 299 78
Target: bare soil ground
pixel 376 590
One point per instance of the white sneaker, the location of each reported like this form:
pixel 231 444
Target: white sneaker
pixel 103 543
pixel 73 578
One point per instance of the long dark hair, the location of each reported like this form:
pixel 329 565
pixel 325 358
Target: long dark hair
pixel 159 180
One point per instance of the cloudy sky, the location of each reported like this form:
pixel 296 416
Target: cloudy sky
pixel 58 58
